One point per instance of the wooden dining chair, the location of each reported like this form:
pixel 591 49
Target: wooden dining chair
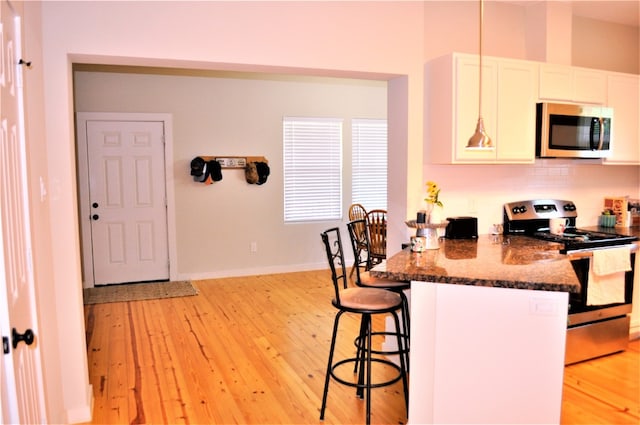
pixel 377 224
pixel 358 212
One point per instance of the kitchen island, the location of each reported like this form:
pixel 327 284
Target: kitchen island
pixel 488 329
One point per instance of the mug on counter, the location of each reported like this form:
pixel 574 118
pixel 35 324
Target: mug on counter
pixel 418 243
pixel 558 225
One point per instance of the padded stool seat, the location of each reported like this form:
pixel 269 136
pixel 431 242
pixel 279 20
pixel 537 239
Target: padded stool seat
pixel 367 299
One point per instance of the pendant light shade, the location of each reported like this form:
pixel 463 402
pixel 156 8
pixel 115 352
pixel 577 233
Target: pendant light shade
pixel 480 139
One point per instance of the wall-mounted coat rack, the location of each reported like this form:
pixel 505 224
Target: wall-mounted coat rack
pixel 235 161
pixel 207 169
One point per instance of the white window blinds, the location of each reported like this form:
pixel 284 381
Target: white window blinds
pixel 369 163
pixel 312 169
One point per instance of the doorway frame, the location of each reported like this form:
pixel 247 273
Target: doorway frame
pixel 83 185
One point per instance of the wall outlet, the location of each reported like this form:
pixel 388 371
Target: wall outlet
pixel 254 247
pixel 471 206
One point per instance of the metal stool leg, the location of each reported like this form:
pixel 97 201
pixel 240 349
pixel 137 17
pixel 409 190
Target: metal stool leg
pixel 403 365
pixel 328 376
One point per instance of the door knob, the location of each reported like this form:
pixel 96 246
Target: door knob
pixel 95 216
pixel 94 205
pixel 27 337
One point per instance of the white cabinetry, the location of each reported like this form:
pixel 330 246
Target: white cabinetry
pixel 570 84
pixel 509 89
pixel 486 355
pixel 624 97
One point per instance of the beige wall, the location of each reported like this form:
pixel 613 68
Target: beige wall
pixel 236 114
pixel 618 51
pixel 374 40
pixel 377 40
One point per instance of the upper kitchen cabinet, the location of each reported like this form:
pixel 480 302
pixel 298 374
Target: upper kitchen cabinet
pixel 509 94
pixel 624 97
pixel 570 84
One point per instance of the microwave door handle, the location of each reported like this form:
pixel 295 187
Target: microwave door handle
pixel 601 138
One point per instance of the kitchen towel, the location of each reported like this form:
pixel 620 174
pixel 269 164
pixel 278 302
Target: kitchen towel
pixel 607 275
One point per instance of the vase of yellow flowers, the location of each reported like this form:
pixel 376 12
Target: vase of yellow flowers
pixel 432 200
pixel 425 224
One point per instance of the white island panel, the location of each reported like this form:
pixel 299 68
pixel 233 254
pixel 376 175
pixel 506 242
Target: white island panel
pixel 486 355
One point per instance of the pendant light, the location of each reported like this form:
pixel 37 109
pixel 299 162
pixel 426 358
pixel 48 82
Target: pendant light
pixel 480 139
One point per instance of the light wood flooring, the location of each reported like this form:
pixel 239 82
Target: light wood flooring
pixel 254 350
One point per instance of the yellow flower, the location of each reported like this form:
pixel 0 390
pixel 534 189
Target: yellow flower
pixel 433 191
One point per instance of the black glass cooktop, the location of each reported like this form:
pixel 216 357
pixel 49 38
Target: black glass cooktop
pixel 574 239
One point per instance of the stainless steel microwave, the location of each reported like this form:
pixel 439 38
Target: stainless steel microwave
pixel 573 131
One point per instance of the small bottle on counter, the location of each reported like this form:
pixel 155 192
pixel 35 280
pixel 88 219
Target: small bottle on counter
pixel 422 217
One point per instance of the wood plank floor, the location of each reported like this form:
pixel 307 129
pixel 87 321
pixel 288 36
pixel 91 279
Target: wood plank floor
pixel 254 349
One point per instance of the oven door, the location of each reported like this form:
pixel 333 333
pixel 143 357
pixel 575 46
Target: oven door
pixel 580 312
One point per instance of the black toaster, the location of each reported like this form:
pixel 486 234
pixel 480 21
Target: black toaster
pixel 462 228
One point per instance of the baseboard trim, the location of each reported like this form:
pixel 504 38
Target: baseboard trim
pixel 82 414
pixel 254 271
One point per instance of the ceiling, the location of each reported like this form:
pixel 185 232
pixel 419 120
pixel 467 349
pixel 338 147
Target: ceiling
pixel 626 12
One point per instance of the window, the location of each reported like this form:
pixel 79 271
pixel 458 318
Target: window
pixel 312 169
pixel 369 163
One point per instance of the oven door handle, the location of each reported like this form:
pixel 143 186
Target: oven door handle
pixel 588 252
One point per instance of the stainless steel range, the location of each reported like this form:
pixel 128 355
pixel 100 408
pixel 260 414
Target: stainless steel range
pixel 593 330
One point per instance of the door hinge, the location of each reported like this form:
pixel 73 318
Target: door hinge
pixel 5 344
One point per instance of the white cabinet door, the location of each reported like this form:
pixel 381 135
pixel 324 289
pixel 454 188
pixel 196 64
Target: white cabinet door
pixel 515 137
pixel 509 94
pixel 466 98
pixel 624 98
pixel 555 82
pixel 578 85
pixel 589 86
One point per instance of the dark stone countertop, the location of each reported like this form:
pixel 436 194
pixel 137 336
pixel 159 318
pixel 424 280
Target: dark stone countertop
pixel 629 231
pixel 500 261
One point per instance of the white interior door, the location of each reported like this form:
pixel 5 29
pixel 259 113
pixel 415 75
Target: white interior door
pixel 21 385
pixel 127 201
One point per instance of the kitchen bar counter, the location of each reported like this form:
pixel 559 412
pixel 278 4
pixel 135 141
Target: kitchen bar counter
pixel 488 329
pixel 492 260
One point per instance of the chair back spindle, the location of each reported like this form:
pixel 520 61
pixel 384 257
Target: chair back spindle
pixel 335 256
pixel 377 224
pixel 360 244
pixel 357 212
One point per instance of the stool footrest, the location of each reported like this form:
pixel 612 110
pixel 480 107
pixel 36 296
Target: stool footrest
pixel 372 385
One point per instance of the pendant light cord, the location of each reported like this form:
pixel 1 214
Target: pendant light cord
pixel 480 50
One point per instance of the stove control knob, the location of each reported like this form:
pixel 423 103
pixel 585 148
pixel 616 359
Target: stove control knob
pixel 519 210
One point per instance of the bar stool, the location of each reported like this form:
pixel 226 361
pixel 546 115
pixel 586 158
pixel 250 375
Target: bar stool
pixel 366 302
pixel 363 278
